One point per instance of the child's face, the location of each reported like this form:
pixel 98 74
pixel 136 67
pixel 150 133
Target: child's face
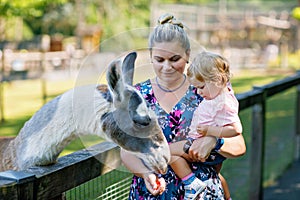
pixel 208 90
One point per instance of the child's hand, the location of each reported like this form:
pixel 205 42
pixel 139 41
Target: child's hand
pixel 155 185
pixel 160 185
pixel 202 130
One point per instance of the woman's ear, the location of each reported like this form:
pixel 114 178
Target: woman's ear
pixel 151 61
pixel 187 55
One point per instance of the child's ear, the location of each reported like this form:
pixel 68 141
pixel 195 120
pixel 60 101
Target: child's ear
pixel 224 80
pixel 221 81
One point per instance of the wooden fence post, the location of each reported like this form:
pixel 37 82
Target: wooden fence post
pixel 2 87
pixel 43 78
pixel 21 186
pixel 257 148
pixel 2 119
pixel 297 152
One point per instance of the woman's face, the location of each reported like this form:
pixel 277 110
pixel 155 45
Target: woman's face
pixel 208 90
pixel 169 60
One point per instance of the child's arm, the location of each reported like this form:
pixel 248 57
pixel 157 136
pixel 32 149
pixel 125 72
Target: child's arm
pixel 229 130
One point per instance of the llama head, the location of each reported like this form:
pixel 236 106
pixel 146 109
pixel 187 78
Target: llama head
pixel 133 125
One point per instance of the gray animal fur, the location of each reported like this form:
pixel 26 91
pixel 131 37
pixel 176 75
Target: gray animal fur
pixel 119 114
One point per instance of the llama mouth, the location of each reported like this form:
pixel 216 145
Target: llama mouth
pixel 162 171
pixel 154 168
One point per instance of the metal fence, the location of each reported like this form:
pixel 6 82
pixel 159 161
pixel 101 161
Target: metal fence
pixel 112 185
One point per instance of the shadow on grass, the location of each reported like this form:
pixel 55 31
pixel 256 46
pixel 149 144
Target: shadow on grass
pixel 246 83
pixel 11 127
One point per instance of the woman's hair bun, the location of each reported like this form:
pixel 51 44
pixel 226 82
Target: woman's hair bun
pixel 168 18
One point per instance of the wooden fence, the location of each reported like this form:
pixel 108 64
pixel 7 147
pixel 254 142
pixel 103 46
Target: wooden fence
pixel 256 99
pixel 35 65
pixel 51 182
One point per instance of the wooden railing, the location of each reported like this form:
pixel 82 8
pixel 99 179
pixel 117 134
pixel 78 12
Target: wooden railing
pixel 50 182
pixel 34 65
pixel 256 99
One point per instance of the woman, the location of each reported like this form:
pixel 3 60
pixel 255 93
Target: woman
pixel 174 100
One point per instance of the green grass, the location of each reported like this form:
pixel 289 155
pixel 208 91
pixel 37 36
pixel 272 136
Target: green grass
pixel 243 81
pixel 23 98
pixel 279 144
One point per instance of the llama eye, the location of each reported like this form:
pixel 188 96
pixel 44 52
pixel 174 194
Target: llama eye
pixel 158 59
pixel 157 137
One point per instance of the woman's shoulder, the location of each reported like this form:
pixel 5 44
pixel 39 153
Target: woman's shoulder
pixel 144 84
pixel 192 91
pixel 191 98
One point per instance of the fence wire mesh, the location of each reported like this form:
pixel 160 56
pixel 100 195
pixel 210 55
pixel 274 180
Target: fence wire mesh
pixel 111 186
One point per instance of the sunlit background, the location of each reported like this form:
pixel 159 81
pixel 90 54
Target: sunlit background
pixel 48 47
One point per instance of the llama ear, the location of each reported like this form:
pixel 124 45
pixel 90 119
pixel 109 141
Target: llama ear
pixel 128 68
pixel 133 107
pixel 113 75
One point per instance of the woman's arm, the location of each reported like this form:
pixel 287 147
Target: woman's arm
pixel 232 147
pixel 229 130
pixel 133 164
pixel 154 184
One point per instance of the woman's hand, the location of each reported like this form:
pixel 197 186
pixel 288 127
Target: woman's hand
pixel 155 185
pixel 201 148
pixel 202 129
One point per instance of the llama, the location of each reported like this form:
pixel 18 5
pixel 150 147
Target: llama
pixel 117 113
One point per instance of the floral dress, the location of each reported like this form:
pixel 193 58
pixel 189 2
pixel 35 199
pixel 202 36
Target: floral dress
pixel 175 126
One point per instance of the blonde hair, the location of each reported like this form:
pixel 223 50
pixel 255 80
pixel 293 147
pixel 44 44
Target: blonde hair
pixel 208 66
pixel 169 29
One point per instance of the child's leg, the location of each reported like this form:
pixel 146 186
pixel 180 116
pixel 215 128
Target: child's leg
pixel 223 182
pixel 178 163
pixel 176 148
pixel 192 185
pixel 218 167
pixel 180 166
pixel 225 187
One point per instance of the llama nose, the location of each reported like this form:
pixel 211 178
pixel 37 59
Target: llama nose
pixel 142 120
pixel 167 158
pixel 164 165
pixel 163 170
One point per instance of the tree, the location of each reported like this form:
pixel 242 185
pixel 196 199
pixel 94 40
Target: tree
pixel 33 13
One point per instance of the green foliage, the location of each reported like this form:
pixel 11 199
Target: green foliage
pixel 34 13
pixel 63 16
pixel 296 13
pixel 56 18
pixel 120 16
pixel 23 8
pixel 113 16
pixel 187 1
